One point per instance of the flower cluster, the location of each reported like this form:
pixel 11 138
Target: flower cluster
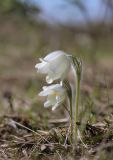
pixel 55 65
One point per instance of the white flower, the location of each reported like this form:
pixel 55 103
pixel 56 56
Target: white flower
pixel 55 65
pixel 56 94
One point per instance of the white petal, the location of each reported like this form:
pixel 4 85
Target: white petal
pixel 49 80
pixel 44 87
pixel 55 106
pixel 53 55
pixel 41 93
pixel 61 83
pixel 55 87
pixel 42 67
pixel 59 67
pixel 41 59
pixel 38 65
pixel 47 104
pixel 59 89
pixel 45 92
pixel 58 99
pixel 51 87
pixel 52 76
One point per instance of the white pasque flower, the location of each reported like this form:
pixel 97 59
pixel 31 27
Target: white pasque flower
pixel 55 65
pixel 56 94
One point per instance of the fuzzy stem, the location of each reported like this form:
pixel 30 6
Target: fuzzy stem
pixel 71 119
pixel 67 85
pixel 77 75
pixel 76 106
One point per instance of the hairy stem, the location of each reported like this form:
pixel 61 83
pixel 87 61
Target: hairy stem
pixel 76 106
pixel 71 119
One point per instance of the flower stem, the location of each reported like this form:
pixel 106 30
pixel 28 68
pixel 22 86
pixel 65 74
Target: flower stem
pixel 67 85
pixel 76 107
pixel 77 68
pixel 71 120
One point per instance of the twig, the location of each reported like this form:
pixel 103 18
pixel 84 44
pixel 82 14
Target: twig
pixel 31 130
pixel 68 131
pixel 80 138
pixel 59 155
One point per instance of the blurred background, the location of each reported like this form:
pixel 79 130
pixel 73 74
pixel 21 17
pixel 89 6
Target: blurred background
pixel 30 29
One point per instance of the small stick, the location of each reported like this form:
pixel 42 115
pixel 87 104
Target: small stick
pixel 67 136
pixel 30 130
